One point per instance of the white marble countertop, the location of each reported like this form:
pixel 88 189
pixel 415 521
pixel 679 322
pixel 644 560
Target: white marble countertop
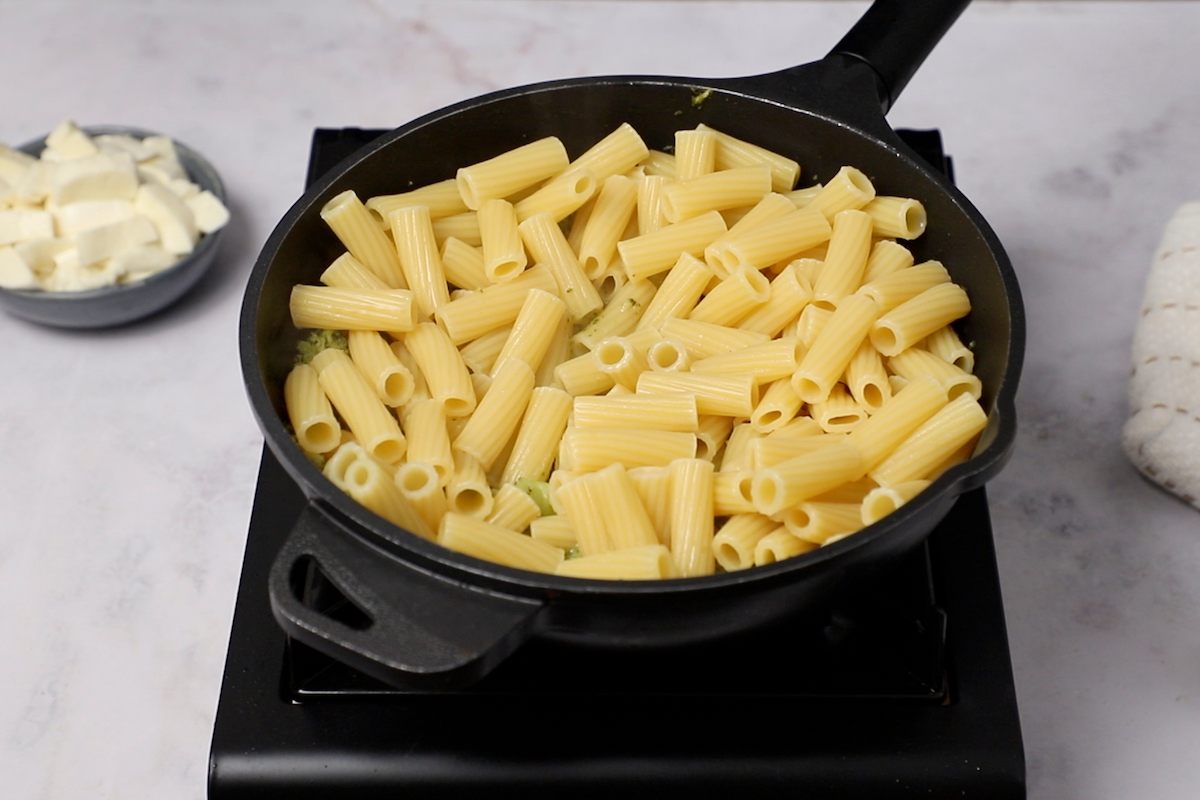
pixel 129 456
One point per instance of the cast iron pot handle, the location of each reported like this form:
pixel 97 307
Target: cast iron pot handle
pixel 894 37
pixel 402 626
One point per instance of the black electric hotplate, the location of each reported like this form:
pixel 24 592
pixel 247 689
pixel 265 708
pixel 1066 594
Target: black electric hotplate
pixel 906 691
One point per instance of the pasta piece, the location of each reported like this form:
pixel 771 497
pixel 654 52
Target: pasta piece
pixel 731 493
pixel 555 530
pixel 883 500
pixel 811 322
pixel 513 509
pixel 621 511
pixel 779 404
pixel 802 197
pixel 653 486
pixel 503 253
pixel 734 455
pixel 784 237
pixel 902 285
pixel 767 362
pixel 351 309
pixel 778 546
pixel 787 296
pixel 703 339
pixel 317 430
pixel 957 424
pixel 442 365
pixel 350 221
pixel 913 320
pixel 840 412
pixel 730 188
pixel 815 522
pixel 420 485
pixel 896 217
pixel 787 483
pixel 620 360
pixel 664 412
pixel 649 215
pixel 428 438
pixel 798 428
pixel 915 362
pixel 493 307
pixel 579 506
pixel 833 349
pixel 668 355
pixel 743 291
pixel 541 428
pixel 549 248
pixel 336 465
pixel 679 292
pixel 767 451
pixel 619 316
pixel 728 395
pixel 867 379
pixel 655 252
pixel 849 188
pixel 557 353
pixel 657 162
pixel 392 381
pixel 499 413
pixel 692 516
pixel 733 152
pixel 852 492
pixel 464 227
pixel 611 281
pixel 849 246
pixel 616 153
pixel 417 249
pixel 420 388
pixel 945 344
pixel 442 199
pixel 591 450
pixel 711 433
pixel 372 487
pixel 481 354
pixel 559 198
pixel 480 383
pixel 347 272
pixel 582 375
pixel 533 330
pixel 477 538
pixel 695 154
pixel 511 171
pixel 467 491
pixel 610 215
pixel 883 432
pixel 355 400
pixel 463 264
pixel 635 563
pixel 733 546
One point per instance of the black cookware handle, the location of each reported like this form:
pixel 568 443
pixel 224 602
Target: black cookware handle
pixel 404 626
pixel 894 37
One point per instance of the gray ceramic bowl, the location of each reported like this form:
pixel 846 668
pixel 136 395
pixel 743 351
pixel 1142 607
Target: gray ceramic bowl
pixel 121 303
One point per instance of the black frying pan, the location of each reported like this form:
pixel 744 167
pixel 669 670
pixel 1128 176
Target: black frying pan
pixel 426 616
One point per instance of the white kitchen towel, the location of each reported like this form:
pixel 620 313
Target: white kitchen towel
pixel 1162 434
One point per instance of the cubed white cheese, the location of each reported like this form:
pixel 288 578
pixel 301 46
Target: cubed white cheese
pixel 14 164
pixel 71 276
pixel 162 146
pixel 160 170
pixel 209 212
pixel 75 217
pixel 34 185
pixel 105 241
pixel 68 142
pixel 39 253
pixel 142 262
pixel 183 188
pixel 21 225
pixel 176 226
pixel 123 143
pixel 99 177
pixel 14 272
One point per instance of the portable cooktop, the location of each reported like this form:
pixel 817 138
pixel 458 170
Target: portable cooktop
pixel 905 691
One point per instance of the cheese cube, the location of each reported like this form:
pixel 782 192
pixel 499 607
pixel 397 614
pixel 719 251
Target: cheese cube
pixel 105 241
pixel 162 146
pixel 71 276
pixel 160 170
pixel 123 143
pixel 209 212
pixel 141 262
pixel 39 253
pixel 14 272
pixel 98 177
pixel 174 220
pixel 35 183
pixel 14 164
pixel 183 188
pixel 21 225
pixel 75 217
pixel 68 142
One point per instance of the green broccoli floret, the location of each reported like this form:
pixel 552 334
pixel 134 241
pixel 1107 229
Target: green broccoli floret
pixel 540 492
pixel 317 340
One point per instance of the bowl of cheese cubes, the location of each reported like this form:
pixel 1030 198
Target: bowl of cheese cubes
pixel 104 225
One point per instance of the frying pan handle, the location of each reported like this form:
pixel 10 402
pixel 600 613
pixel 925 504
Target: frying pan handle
pixel 404 626
pixel 894 37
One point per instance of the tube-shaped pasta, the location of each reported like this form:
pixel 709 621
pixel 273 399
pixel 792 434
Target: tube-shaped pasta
pixel 420 388
pixel 657 162
pixel 786 298
pixel 493 307
pixel 499 413
pixel 779 545
pixel 480 539
pixel 810 323
pixel 351 309
pixel 787 483
pixel 463 264
pixel 866 378
pixel 679 292
pixel 340 460
pixel 915 362
pixel 591 450
pixel 734 455
pixel 556 530
pixel 902 285
pixel 513 509
pixel 533 330
pixel 733 153
pixel 537 439
pixel 849 188
pixel 428 439
pixel 953 427
pixel 578 504
pixel 511 171
pixel 653 485
pixel 417 249
pixel 727 395
pixel 908 408
pixel 734 298
pixel 692 516
pixel 610 281
pixel 648 562
pixel 549 247
pixel 371 486
pixel 347 272
pixel 711 433
pixel 481 354
pixel 695 154
pixel 815 522
pixel 560 197
pixel 503 253
pixel 558 352
pixel 620 360
pixel 896 217
pixel 883 500
pixel 767 451
pixel 945 344
pixel 703 339
pixel 620 315
pixel 765 362
pixel 733 545
pixel 664 412
pixel 731 188
pixel 655 252
pixel 797 428
pixel 830 354
pixel 649 204
pixel 467 491
pixel 611 213
pixel 355 400
pixel 731 493
pixel 392 381
pixel 442 199
pixel 419 484
pixel 625 518
pixel 802 197
pixel 317 430
pixel 442 365
pixel 849 247
pixel 886 257
pixel 668 355
pixel 913 320
pixel 458 226
pixel 357 229
pixel 770 242
pixel 839 412
pixel 582 376
pixel 618 152
pixel 779 404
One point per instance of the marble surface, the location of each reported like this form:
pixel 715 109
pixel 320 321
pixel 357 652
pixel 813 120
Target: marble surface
pixel 127 457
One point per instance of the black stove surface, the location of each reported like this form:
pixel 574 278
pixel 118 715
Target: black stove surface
pixel 905 691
